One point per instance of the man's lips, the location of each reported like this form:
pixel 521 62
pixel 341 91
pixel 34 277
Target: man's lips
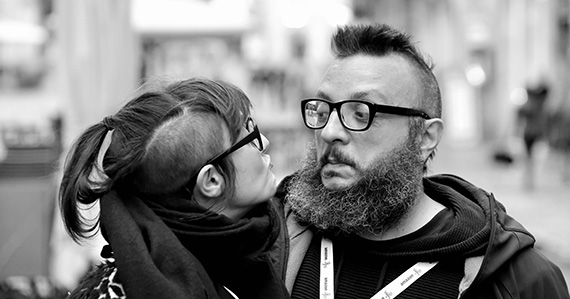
pixel 329 160
pixel 332 160
pixel 334 166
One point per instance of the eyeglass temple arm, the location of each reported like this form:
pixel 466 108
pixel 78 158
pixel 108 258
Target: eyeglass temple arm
pixel 400 111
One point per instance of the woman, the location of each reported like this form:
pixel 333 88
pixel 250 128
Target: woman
pixel 184 180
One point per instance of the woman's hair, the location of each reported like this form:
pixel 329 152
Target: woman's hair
pixel 160 139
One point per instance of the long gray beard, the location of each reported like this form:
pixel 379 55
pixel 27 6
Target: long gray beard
pixel 375 203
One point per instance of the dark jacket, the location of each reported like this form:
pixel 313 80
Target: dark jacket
pixel 509 266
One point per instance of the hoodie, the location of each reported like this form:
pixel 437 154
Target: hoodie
pixel 495 253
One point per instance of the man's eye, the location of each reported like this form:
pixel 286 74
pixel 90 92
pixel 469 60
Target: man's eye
pixel 360 114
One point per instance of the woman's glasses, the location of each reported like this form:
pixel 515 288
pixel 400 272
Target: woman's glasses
pixel 254 137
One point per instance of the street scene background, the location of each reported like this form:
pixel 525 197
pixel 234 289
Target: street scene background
pixel 66 64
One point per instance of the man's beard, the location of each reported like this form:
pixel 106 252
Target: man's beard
pixel 376 202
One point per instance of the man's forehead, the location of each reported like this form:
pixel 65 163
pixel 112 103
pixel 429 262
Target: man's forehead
pixel 389 89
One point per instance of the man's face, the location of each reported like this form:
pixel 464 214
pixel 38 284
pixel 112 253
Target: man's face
pixel 362 182
pixel 388 80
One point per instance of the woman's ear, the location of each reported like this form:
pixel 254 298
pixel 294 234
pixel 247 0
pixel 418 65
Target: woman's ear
pixel 209 183
pixel 433 131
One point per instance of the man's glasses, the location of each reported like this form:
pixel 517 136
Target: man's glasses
pixel 254 137
pixel 355 115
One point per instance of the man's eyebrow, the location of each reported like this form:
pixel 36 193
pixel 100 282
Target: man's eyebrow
pixel 354 96
pixel 372 95
pixel 359 95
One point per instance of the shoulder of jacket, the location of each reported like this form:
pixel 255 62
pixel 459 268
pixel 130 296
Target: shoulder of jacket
pixel 544 281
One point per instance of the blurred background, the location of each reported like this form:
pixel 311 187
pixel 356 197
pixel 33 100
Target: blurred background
pixel 65 64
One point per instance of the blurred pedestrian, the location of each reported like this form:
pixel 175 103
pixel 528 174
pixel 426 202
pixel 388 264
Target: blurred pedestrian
pixel 364 221
pixel 183 180
pixel 559 136
pixel 531 124
pixel 3 148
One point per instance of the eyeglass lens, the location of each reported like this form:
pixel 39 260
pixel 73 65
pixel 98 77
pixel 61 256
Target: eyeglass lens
pixel 354 115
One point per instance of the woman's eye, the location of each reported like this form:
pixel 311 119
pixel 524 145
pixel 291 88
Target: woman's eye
pixel 322 115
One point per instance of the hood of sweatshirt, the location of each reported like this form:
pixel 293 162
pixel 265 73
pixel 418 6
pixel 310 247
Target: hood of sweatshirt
pixel 504 236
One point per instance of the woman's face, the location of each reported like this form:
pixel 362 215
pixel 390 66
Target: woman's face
pixel 254 181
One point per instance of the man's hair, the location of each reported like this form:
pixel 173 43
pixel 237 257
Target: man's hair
pixel 383 40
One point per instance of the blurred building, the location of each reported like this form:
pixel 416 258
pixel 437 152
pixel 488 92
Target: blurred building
pixel 22 43
pixel 30 141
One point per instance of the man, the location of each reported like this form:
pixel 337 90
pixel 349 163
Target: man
pixel 363 220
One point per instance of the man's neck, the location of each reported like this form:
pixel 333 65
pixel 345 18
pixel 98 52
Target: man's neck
pixel 419 215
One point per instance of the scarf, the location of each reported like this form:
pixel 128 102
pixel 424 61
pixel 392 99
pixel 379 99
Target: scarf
pixel 173 248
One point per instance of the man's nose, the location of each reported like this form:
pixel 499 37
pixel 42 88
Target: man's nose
pixel 334 131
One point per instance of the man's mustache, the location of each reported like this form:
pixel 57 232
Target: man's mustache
pixel 335 154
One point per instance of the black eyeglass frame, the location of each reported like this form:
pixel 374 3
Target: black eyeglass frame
pixel 254 134
pixel 373 107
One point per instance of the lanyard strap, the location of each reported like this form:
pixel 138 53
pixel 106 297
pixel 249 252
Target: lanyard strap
pixel 326 289
pixel 393 289
pixel 231 293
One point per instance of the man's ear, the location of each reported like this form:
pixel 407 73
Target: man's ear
pixel 210 183
pixel 433 131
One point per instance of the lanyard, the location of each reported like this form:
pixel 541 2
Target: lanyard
pixel 231 293
pixel 393 289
